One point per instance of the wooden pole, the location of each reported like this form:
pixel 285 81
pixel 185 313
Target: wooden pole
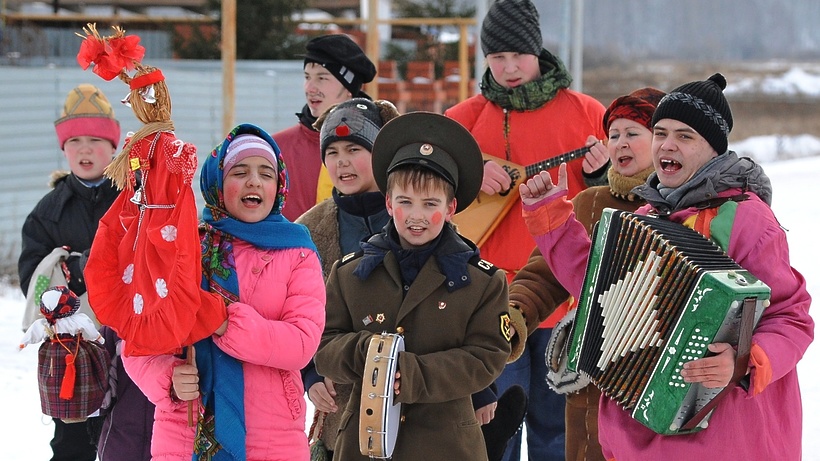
pixel 372 50
pixel 463 64
pixel 228 63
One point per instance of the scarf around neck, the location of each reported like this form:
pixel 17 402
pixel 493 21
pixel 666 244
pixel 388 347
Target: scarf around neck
pixel 531 95
pixel 451 252
pixel 621 186
pixel 726 171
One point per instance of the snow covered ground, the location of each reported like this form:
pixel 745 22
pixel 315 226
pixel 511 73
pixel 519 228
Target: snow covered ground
pixel 26 432
pixel 793 163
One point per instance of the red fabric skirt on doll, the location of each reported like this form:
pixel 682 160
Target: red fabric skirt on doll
pixel 144 269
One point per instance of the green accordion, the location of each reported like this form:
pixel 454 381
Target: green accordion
pixel 655 295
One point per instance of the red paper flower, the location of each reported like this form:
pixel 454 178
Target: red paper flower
pixel 110 55
pixel 108 67
pixel 90 51
pixel 127 50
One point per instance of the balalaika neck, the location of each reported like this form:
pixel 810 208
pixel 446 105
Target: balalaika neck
pixel 535 168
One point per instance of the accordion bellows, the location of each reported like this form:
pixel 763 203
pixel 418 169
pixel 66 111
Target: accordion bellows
pixel 655 295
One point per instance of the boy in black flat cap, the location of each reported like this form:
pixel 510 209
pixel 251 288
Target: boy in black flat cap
pixel 335 70
pixel 420 279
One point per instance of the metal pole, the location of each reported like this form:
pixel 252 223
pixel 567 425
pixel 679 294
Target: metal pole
pixel 566 25
pixel 577 62
pixel 228 63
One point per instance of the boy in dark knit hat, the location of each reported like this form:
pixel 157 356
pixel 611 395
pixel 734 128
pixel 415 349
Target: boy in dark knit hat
pixel 700 184
pixel 339 224
pixel 526 114
pixel 335 70
pixel 88 135
pixel 420 279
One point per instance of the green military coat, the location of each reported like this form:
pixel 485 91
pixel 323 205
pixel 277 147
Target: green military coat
pixel 456 344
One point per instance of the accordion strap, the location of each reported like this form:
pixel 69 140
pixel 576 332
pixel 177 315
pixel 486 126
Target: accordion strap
pixel 744 347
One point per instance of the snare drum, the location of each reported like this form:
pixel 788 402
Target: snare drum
pixel 379 416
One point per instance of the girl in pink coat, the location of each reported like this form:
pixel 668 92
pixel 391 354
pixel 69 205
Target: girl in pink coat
pixel 245 384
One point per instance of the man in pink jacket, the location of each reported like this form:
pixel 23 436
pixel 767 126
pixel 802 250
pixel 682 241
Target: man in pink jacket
pixel 696 177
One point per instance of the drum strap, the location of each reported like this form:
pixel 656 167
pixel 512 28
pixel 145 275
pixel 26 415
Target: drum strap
pixel 744 347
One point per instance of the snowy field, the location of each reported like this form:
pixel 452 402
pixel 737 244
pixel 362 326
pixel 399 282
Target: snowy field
pixel 26 432
pixel 793 163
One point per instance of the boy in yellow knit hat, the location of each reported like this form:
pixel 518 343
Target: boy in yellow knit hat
pixel 67 216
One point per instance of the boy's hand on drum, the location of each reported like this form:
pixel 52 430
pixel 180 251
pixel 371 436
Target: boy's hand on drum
pixel 540 186
pixel 486 413
pixel 185 380
pixel 323 394
pixel 713 371
pixel 397 383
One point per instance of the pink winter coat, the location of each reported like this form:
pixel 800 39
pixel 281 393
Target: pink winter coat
pixel 274 331
pixel 763 423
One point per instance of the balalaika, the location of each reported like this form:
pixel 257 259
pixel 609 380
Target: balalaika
pixel 656 294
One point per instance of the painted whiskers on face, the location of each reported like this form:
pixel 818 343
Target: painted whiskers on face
pixel 418 217
pixel 418 222
pixel 322 89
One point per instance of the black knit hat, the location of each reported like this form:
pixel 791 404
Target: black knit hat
pixel 702 106
pixel 357 120
pixel 343 58
pixel 511 25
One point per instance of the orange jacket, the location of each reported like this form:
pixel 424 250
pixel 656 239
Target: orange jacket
pixel 561 125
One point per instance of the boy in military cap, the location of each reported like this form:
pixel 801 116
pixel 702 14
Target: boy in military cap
pixel 335 70
pixel 420 279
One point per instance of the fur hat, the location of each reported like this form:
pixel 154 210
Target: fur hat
pixel 511 25
pixel 343 58
pixel 358 120
pixel 433 141
pixel 87 112
pixel 702 106
pixel 637 106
